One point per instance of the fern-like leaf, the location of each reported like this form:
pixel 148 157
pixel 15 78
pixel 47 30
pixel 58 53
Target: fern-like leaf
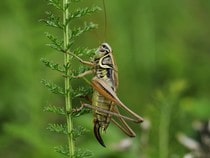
pixel 52 20
pixel 86 51
pixel 56 43
pixel 54 109
pixel 62 150
pixel 83 12
pixel 81 92
pixel 83 153
pixel 56 4
pixel 58 128
pixel 54 88
pixel 80 30
pixel 52 65
pixel 79 131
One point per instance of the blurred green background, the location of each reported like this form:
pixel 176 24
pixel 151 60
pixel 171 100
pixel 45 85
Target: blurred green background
pixel 163 53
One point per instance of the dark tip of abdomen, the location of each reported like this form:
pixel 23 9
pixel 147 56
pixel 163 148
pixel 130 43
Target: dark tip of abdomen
pixel 97 134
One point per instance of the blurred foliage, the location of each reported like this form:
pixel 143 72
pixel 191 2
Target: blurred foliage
pixel 162 50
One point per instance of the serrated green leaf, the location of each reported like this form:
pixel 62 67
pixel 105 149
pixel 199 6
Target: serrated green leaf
pixel 54 88
pixel 52 65
pixel 54 109
pixel 80 153
pixel 56 43
pixel 55 3
pixel 82 12
pixel 62 150
pixel 85 51
pixel 81 92
pixel 58 128
pixel 80 30
pixel 79 131
pixel 53 46
pixel 52 20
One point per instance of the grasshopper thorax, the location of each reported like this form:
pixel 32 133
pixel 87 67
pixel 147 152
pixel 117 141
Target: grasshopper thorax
pixel 103 58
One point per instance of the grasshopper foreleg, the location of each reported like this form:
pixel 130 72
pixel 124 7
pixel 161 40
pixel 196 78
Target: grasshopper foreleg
pixel 88 72
pixel 81 60
pixel 88 63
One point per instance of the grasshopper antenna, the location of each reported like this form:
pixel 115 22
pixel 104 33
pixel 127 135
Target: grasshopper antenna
pixel 103 37
pixel 105 20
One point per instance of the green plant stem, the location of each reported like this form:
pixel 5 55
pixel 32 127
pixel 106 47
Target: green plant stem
pixel 165 118
pixel 67 80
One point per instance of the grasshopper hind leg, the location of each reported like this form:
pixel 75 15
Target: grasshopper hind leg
pixel 97 129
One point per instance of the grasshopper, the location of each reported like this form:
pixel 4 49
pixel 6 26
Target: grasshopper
pixel 105 102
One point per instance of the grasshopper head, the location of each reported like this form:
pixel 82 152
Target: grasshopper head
pixel 103 49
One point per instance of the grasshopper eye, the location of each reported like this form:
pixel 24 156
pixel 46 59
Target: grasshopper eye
pixel 106 48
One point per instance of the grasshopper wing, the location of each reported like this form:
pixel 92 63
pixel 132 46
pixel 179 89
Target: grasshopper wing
pixel 104 89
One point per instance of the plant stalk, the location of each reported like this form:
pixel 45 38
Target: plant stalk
pixel 71 146
pixel 165 118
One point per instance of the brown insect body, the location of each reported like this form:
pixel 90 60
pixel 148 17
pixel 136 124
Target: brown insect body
pixel 105 101
pixel 105 69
